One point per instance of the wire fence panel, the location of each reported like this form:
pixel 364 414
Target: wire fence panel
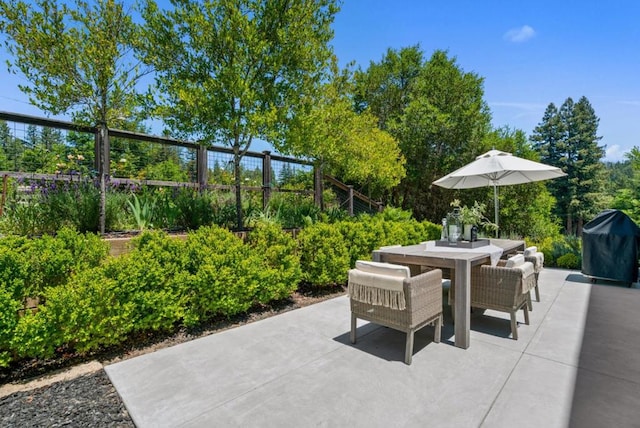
pixel 33 148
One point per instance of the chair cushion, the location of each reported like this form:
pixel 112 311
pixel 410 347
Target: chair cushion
pixel 388 269
pixel 514 261
pixel 376 289
pixel 527 269
pixel 530 251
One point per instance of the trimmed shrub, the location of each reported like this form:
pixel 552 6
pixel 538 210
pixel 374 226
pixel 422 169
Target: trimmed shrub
pixel 558 246
pixel 221 275
pixel 359 239
pixel 280 272
pixel 324 256
pixel 9 307
pixel 145 278
pixel 569 261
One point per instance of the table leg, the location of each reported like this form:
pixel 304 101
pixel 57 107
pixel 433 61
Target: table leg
pixel 462 303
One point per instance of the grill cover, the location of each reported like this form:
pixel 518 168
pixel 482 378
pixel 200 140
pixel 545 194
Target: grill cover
pixel 610 247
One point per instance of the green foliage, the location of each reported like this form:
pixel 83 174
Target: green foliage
pixel 145 281
pixel 14 267
pixel 35 336
pixel 191 46
pixel 292 210
pixel 29 266
pixel 88 69
pixel 45 207
pixel 167 170
pixel 567 247
pixel 344 143
pixel 567 138
pixel 441 128
pixel 88 300
pixel 324 256
pixel 360 238
pixel 280 272
pixel 86 313
pixel 88 250
pixel 396 214
pixel 194 209
pixel 143 211
pixel 220 276
pixel 9 307
pixel 569 261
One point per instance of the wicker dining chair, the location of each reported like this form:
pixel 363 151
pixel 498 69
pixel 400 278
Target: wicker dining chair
pixel 531 254
pixel 505 288
pixel 387 295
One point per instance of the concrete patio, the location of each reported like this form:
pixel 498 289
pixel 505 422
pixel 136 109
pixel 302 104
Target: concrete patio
pixel 577 364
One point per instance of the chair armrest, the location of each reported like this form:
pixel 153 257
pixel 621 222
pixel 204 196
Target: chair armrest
pixel 424 289
pixel 502 285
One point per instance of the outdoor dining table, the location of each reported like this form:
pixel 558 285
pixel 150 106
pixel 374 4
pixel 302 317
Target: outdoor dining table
pixel 460 260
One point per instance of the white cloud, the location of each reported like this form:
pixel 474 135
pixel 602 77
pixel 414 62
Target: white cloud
pixel 615 153
pixel 519 35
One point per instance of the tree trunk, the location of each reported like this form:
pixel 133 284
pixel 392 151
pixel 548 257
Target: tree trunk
pixel 579 226
pixel 103 143
pixel 569 230
pixel 236 171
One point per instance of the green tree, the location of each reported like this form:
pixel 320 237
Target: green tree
pixel 51 137
pixel 5 142
pixel 627 177
pixel 385 88
pixel 567 138
pixel 32 136
pixel 12 148
pixel 77 59
pixel 442 128
pixel 344 143
pixel 233 71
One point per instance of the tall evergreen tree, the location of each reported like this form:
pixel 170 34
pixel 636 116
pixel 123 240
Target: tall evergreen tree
pixel 567 138
pixel 51 137
pixel 32 136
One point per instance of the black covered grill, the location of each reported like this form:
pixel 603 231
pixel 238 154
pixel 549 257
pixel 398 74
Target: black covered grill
pixel 610 247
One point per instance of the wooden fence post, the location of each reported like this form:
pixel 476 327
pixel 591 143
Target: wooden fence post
pixel 102 149
pixel 202 167
pixel 318 187
pixel 266 178
pixel 350 196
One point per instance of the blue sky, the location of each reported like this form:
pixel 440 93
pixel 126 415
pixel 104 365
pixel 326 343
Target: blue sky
pixel 530 53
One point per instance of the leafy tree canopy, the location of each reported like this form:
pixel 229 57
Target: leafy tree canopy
pixel 234 70
pixel 76 57
pixel 344 143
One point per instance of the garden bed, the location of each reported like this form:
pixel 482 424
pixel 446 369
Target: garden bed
pixel 141 344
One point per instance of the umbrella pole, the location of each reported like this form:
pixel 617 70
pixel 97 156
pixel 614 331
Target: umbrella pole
pixel 495 207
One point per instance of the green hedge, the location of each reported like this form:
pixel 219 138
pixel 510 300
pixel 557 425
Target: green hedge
pixel 88 300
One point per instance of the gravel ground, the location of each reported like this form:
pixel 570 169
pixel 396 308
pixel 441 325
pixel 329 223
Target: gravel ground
pixel 86 401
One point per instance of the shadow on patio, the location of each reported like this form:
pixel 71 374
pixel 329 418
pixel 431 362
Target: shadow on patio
pixel 607 385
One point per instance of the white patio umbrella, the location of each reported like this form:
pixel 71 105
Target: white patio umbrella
pixel 496 168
